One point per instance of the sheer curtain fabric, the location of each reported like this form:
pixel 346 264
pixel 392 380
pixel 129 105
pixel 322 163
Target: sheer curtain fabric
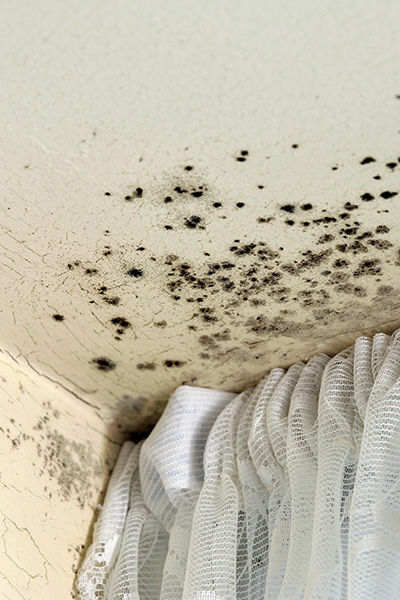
pixel 287 491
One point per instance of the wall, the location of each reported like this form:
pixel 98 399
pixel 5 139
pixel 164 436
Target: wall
pixel 276 244
pixel 190 192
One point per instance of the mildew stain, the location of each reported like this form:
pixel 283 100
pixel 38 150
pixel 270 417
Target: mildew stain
pixel 237 295
pixel 102 363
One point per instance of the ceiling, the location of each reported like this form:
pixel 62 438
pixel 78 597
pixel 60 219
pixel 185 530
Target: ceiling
pixel 194 192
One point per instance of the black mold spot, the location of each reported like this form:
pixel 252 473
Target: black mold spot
pixel 107 194
pixel 58 317
pixel 368 267
pixel 288 208
pixel 161 324
pixel 367 197
pixel 391 165
pixel 382 229
pixel 193 222
pixel 350 206
pixel 148 366
pixel 340 263
pixel 138 193
pixel 380 244
pixel 188 168
pixel 306 206
pixel 114 300
pixel 122 322
pixel 243 155
pixel 324 220
pixel 217 204
pixel 76 263
pixel 386 195
pixel 173 363
pixel 349 231
pixel 196 194
pixel 324 239
pixel 133 272
pixel 168 199
pixel 367 160
pixel 103 363
pixel 240 204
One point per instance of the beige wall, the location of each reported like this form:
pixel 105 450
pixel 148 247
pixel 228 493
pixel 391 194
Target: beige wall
pixel 55 461
pixel 277 244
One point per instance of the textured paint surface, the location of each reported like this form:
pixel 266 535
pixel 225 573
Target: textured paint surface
pixel 185 193
pixel 190 192
pixel 55 462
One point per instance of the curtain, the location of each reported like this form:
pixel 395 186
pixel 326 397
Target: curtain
pixel 287 491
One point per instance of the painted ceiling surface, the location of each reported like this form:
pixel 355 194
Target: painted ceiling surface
pixel 195 192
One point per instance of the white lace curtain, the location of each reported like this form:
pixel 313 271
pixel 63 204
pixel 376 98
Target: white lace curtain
pixel 287 491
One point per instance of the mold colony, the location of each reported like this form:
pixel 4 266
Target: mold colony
pixel 227 295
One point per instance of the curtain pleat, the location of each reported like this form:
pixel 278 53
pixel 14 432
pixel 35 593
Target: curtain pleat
pixel 287 491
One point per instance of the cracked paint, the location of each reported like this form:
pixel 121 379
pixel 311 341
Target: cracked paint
pixel 190 194
pixel 57 456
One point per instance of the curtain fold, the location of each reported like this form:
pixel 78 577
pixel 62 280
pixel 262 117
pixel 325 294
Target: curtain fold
pixel 287 491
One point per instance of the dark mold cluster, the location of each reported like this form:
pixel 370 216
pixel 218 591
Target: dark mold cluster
pixel 102 363
pixel 252 288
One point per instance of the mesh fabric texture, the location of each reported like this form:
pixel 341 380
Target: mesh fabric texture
pixel 287 491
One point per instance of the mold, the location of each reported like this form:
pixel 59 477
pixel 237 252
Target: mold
pixel 146 366
pixel 113 300
pixel 134 272
pixel 138 193
pixel 368 267
pixel 58 317
pixel 193 222
pixel 161 324
pixel 173 363
pixel 102 363
pixel 367 197
pixel 243 156
pixel 387 194
pixel 382 229
pixel 70 464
